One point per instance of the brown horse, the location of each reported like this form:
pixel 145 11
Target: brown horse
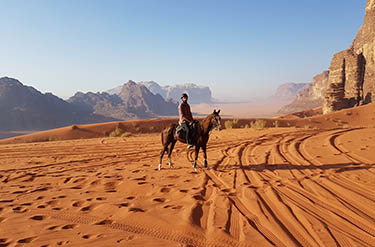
pixel 200 137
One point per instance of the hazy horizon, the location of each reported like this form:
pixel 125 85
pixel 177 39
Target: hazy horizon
pixel 239 49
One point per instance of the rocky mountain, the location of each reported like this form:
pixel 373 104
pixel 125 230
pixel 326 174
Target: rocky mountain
pixel 352 71
pixel 197 94
pixel 102 104
pixel 309 97
pixel 25 108
pixel 288 91
pixel 133 101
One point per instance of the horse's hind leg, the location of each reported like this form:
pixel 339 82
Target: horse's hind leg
pixel 197 147
pixel 204 148
pixel 165 149
pixel 170 153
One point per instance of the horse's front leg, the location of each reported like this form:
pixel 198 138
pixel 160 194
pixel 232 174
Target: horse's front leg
pixel 204 148
pixel 197 147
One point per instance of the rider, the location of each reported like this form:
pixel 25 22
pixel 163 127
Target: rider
pixel 186 118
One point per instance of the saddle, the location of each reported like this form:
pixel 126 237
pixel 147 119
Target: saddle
pixel 180 132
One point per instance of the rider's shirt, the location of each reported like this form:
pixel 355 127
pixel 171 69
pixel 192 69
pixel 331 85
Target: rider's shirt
pixel 185 113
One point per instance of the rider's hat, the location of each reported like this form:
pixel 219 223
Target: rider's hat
pixel 184 95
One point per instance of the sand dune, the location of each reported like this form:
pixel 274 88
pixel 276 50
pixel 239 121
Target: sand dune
pixel 363 116
pixel 273 187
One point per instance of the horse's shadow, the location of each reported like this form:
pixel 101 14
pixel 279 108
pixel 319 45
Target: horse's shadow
pixel 341 167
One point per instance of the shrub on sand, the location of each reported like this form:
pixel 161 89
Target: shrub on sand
pixel 228 124
pixel 276 124
pixel 126 134
pixel 258 124
pixel 116 132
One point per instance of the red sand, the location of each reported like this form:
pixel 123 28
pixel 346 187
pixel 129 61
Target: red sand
pixel 277 186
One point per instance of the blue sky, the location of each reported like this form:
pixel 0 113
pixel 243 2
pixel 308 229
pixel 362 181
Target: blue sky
pixel 241 49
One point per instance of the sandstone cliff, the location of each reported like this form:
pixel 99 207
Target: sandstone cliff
pixel 352 71
pixel 309 97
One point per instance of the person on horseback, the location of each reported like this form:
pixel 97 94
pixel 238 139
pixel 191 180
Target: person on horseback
pixel 186 118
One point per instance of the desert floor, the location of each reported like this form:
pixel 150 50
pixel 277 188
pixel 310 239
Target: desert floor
pixel 272 187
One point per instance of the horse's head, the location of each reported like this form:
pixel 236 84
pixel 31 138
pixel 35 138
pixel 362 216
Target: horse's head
pixel 216 120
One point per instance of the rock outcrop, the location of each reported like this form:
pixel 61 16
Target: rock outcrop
pixel 133 101
pixel 197 94
pixel 309 97
pixel 140 101
pixel 25 108
pixel 352 71
pixel 289 91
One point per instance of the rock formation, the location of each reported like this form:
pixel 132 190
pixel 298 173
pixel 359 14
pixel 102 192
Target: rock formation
pixel 352 71
pixel 288 91
pixel 133 101
pixel 198 94
pixel 309 97
pixel 25 108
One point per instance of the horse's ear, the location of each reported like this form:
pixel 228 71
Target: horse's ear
pixel 214 111
pixel 218 111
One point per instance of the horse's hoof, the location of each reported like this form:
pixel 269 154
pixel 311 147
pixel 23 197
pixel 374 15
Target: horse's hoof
pixel 195 169
pixel 170 165
pixel 159 167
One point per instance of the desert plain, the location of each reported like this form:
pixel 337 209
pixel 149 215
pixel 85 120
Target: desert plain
pixel 308 184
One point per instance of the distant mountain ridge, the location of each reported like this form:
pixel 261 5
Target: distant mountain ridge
pixel 197 94
pixel 288 91
pixel 309 97
pixel 25 108
pixel 133 101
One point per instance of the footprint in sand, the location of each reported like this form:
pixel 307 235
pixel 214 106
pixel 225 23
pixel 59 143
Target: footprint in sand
pixel 165 190
pixel 78 204
pixel 88 208
pixel 38 217
pixel 104 222
pixel 3 241
pixel 159 199
pixel 69 226
pixel 20 210
pixel 6 201
pixel 79 180
pixel 136 210
pixel 51 228
pixel 130 197
pixel 101 198
pixel 122 205
pixel 26 240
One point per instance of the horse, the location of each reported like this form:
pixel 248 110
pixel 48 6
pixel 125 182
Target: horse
pixel 200 137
